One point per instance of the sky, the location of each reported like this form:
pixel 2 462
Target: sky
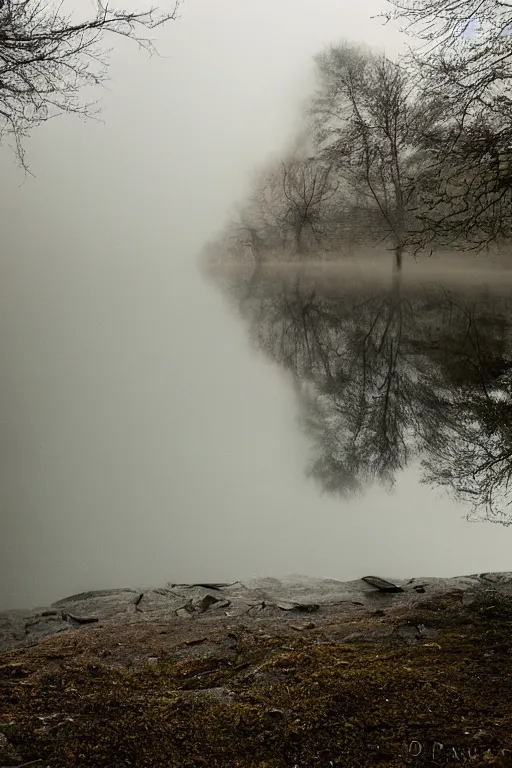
pixel 142 439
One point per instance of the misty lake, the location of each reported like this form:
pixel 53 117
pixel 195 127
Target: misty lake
pixel 159 426
pixel 256 423
pixel 392 372
pixel 249 425
pixel 395 376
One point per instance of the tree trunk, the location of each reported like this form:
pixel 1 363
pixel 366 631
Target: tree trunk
pixel 399 252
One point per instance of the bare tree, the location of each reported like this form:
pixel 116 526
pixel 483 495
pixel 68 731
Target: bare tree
pixel 289 213
pixel 465 50
pixel 366 123
pixel 466 197
pixel 46 59
pixel 291 205
pixel 308 187
pixel 467 59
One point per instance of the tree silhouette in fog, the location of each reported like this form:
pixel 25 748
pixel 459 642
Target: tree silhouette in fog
pixel 465 58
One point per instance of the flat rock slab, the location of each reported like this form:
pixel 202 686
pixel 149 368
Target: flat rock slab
pixel 287 598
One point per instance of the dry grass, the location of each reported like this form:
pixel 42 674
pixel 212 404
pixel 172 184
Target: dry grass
pixel 266 694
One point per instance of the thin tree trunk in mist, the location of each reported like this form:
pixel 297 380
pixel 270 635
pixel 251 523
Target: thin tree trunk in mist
pixel 399 252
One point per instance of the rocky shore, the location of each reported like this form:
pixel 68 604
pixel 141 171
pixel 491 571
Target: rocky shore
pixel 267 672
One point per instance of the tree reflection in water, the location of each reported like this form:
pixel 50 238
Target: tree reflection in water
pixel 390 373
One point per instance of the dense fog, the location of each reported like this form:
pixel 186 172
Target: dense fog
pixel 144 438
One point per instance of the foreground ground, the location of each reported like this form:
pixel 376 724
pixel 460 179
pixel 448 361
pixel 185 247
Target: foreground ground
pixel 420 685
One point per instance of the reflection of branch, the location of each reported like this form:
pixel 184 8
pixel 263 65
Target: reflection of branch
pixel 381 378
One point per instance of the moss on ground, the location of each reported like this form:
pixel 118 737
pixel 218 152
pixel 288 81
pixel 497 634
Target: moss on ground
pixel 281 703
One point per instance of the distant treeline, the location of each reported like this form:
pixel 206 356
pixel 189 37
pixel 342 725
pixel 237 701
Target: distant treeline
pixel 410 155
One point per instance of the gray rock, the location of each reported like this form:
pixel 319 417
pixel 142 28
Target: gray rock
pixel 80 619
pixel 272 597
pixel 496 578
pixel 102 603
pixel 381 584
pixel 93 595
pixel 298 607
pixel 206 602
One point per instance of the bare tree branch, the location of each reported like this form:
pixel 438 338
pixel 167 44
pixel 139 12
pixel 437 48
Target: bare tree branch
pixel 466 57
pixel 47 59
pixel 367 125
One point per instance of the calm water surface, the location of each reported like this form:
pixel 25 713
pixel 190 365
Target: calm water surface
pixel 392 371
pixel 158 430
